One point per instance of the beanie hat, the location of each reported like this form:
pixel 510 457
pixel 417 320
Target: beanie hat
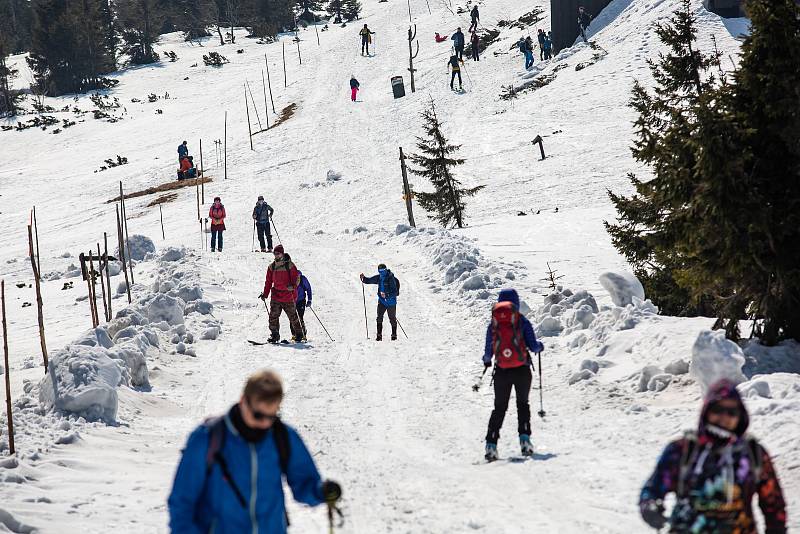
pixel 278 250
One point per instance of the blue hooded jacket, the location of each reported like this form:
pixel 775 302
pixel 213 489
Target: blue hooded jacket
pixel 303 289
pixel 380 279
pixel 200 504
pixel 458 39
pixel 534 345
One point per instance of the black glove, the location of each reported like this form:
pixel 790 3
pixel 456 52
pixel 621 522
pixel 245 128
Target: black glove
pixel 331 491
pixel 261 296
pixel 487 364
pixel 653 514
pixel 308 304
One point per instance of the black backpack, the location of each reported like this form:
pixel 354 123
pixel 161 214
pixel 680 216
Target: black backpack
pixel 216 442
pixel 392 285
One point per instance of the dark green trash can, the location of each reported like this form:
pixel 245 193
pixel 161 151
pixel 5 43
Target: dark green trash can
pixel 398 89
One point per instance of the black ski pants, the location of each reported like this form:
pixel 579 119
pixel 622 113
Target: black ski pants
pixel 518 378
pixel 392 317
pixel 453 77
pixel 301 311
pixel 263 231
pixel 364 44
pixel 460 52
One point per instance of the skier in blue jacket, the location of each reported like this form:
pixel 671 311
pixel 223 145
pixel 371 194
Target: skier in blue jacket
pixel 458 43
pixel 303 296
pixel 388 290
pixel 229 477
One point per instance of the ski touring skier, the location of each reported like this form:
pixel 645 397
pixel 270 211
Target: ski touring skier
pixel 475 45
pixel 475 16
pixel 183 150
pixel 528 52
pixel 547 48
pixel 714 473
pixel 354 88
pixel 455 66
pixel 366 38
pixel 541 36
pixel 458 43
pixel 388 291
pixel 282 281
pixel 584 19
pixel 302 300
pixel 509 338
pixel 229 479
pixel 217 215
pixel 262 213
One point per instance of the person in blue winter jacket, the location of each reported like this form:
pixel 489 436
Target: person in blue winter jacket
pixel 229 477
pixel 388 290
pixel 509 341
pixel 303 296
pixel 183 151
pixel 458 43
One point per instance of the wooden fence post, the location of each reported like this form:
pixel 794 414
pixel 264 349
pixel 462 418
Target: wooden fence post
pixel 269 84
pixel 102 282
pixel 108 274
pixel 247 108
pixel 538 140
pixel 406 189
pixel 37 284
pixel 225 149
pixel 161 213
pixel 8 371
pixel 266 107
pixel 122 254
pixel 124 214
pixel 283 53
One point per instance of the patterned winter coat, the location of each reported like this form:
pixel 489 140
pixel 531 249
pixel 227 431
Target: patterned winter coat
pixel 715 479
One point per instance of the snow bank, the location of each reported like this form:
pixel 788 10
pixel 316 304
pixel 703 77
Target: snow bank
pixel 11 524
pixel 139 246
pixel 715 358
pixel 83 381
pixel 622 287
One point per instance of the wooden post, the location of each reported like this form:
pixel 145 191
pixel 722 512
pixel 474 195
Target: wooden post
pixel 197 190
pixel 429 8
pixel 249 129
pixel 201 158
pixel 122 255
pixel 283 53
pixel 92 292
pixel 202 239
pixel 124 214
pixel 317 32
pixel 108 274
pixel 538 140
pixel 253 100
pixel 9 417
pixel 269 84
pixel 297 40
pixel 266 107
pixel 161 213
pixel 36 237
pixel 225 161
pixel 406 189
pixel 40 316
pixel 412 55
pixel 102 282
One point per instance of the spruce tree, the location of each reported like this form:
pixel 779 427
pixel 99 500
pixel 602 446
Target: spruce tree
pixel 335 10
pixel 351 9
pixel 435 163
pixel 16 20
pixel 8 98
pixel 140 22
pixel 652 224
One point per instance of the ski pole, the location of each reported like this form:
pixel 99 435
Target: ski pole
pixel 333 508
pixel 401 327
pixel 541 403
pixel 276 229
pixel 477 384
pixel 320 322
pixel 364 295
pixel 254 236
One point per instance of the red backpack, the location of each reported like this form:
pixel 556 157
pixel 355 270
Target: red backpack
pixel 508 342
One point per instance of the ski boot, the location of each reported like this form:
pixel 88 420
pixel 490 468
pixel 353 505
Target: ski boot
pixel 394 337
pixel 379 337
pixel 394 332
pixel 274 337
pixel 491 452
pixel 525 445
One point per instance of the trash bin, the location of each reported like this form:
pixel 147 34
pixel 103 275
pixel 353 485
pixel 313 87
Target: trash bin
pixel 398 89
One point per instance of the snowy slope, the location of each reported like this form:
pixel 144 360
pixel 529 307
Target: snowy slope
pixel 396 423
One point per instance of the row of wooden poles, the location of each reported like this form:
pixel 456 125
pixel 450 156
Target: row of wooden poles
pixel 90 274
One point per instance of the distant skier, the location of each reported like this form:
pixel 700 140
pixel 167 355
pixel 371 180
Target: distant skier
pixel 541 36
pixel 217 215
pixel 475 16
pixel 548 47
pixel 183 151
pixel 302 300
pixel 523 49
pixel 475 45
pixel 528 52
pixel 187 169
pixel 584 19
pixel 282 281
pixel 714 474
pixel 354 87
pixel 456 71
pixel 509 338
pixel 458 43
pixel 366 39
pixel 262 213
pixel 388 290
pixel 230 474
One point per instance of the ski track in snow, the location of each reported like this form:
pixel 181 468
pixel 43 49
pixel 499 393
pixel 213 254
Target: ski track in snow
pixel 395 422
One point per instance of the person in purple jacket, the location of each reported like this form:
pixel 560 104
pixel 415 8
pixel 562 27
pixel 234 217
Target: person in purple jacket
pixel 303 296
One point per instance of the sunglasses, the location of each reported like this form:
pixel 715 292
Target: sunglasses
pixel 261 416
pixel 732 411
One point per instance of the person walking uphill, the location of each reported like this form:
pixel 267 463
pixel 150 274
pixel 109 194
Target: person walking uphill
pixel 262 214
pixel 388 291
pixel 714 474
pixel 282 281
pixel 475 16
pixel 354 85
pixel 217 215
pixel 228 480
pixel 458 43
pixel 302 299
pixel 183 151
pixel 456 71
pixel 584 19
pixel 509 338
pixel 366 39
pixel 475 45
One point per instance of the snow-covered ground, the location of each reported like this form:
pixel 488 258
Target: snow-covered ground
pixel 396 423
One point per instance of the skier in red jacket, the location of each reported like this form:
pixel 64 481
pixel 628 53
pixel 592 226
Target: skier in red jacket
pixel 282 280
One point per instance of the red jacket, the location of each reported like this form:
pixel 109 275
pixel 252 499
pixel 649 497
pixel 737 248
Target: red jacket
pixel 185 165
pixel 217 216
pixel 283 279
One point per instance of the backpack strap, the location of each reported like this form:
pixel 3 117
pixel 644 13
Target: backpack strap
pixel 756 455
pixel 688 457
pixel 216 441
pixel 281 435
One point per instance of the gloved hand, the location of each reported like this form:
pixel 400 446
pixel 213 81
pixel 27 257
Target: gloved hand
pixel 539 346
pixel 361 276
pixel 261 296
pixel 308 304
pixel 653 514
pixel 331 491
pixel 487 364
